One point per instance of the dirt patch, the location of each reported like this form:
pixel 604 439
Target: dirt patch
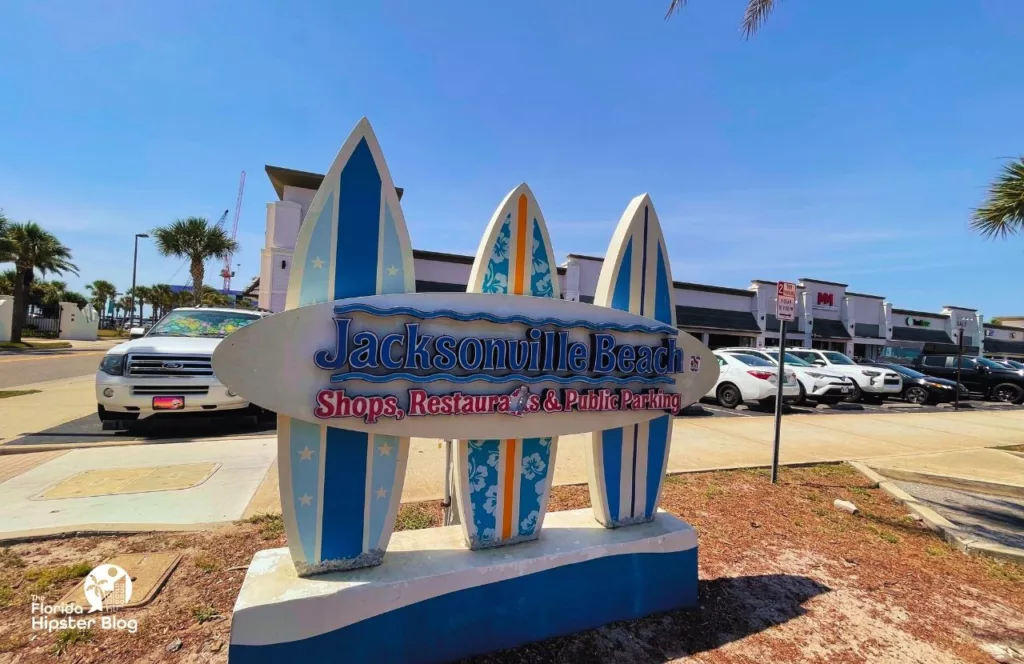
pixel 784 577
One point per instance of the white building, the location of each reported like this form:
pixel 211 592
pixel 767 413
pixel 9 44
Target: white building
pixel 828 316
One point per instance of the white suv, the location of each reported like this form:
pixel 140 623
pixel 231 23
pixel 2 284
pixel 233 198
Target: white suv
pixel 169 368
pixel 872 383
pixel 826 387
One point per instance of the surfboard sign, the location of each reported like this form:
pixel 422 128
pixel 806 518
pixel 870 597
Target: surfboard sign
pixel 463 365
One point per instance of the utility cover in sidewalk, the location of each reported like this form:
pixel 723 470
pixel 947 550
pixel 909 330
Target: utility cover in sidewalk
pixel 148 572
pixel 114 481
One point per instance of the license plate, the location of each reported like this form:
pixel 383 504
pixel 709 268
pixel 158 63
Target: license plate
pixel 168 403
pixel 845 390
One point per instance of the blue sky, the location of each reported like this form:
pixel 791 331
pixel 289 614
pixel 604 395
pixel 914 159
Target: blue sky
pixel 845 142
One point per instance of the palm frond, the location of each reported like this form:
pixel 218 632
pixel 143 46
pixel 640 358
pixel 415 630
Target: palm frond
pixel 1002 213
pixel 673 7
pixel 754 16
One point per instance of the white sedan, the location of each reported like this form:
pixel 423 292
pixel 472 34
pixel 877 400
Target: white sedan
pixel 749 378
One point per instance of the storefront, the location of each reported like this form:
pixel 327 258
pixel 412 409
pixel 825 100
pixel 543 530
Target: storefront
pixel 827 316
pixel 1003 342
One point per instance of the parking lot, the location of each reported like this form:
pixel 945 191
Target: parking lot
pixel 707 408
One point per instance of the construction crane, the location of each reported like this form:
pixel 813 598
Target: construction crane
pixel 227 272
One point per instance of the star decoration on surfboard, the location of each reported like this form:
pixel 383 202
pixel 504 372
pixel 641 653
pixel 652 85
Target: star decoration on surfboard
pixel 317 262
pixel 306 499
pixel 381 492
pixel 385 449
pixel 392 270
pixel 305 454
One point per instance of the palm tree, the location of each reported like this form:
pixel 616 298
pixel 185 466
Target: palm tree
pixel 142 295
pixel 5 240
pixel 31 248
pixel 196 240
pixel 753 18
pixel 7 278
pixel 1002 213
pixel 124 304
pixel 163 297
pixel 102 291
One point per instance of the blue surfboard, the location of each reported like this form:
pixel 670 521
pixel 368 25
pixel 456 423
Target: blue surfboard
pixel 626 465
pixel 340 489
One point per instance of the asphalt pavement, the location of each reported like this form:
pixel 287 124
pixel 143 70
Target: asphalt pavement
pixel 998 519
pixel 39 366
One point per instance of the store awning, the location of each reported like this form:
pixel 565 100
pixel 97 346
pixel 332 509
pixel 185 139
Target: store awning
pixel 1004 346
pixel 867 331
pixel 720 320
pixel 771 324
pixel 826 328
pixel 922 335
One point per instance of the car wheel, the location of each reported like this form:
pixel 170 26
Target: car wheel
pixel 916 395
pixel 855 395
pixel 802 399
pixel 728 396
pixel 1007 393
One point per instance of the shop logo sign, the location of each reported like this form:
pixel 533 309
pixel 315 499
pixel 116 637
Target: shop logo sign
pixel 918 322
pixel 824 300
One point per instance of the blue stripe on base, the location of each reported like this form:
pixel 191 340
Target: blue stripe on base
pixel 391 255
pixel 385 459
pixel 643 267
pixel 305 481
pixel 450 627
pixel 611 456
pixel 314 285
pixel 355 269
pixel 663 292
pixel 657 448
pixel 620 293
pixel 341 533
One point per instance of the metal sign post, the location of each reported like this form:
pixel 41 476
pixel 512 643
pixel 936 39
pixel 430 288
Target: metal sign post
pixel 961 325
pixel 785 310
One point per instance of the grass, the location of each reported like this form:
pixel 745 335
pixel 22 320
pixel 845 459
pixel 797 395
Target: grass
pixel 935 551
pixel 69 637
pixel 33 345
pixel 43 578
pixel 271 525
pixel 1004 571
pixel 204 613
pixel 414 517
pixel 6 394
pixel 109 334
pixel 6 595
pixel 9 558
pixel 207 563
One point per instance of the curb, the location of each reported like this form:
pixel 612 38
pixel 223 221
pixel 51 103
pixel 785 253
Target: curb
pixel 6 448
pixel 949 532
pixel 98 529
pixel 952 482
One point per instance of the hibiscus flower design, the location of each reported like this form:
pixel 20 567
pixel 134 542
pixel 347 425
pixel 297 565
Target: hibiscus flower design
pixel 530 522
pixel 533 466
pixel 542 287
pixel 491 502
pixel 500 248
pixel 494 282
pixel 477 478
pixel 492 459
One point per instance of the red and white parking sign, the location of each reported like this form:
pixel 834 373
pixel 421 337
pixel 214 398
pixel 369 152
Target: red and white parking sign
pixel 785 303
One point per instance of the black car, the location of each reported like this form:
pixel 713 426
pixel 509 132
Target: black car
pixel 921 388
pixel 1011 364
pixel 982 376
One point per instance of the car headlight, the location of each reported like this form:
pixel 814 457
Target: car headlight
pixel 113 364
pixel 871 373
pixel 814 374
pixel 939 386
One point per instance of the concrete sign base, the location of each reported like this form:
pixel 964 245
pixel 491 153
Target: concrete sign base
pixel 434 600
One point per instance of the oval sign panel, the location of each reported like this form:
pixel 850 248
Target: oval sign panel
pixel 467 366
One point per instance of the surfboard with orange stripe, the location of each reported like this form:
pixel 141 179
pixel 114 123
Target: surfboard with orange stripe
pixel 502 485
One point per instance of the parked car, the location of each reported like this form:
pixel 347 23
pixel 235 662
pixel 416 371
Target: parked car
pixel 871 384
pixel 169 368
pixel 983 377
pixel 921 388
pixel 1011 364
pixel 815 385
pixel 747 378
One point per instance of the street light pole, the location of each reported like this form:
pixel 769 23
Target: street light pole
pixel 135 265
pixel 961 325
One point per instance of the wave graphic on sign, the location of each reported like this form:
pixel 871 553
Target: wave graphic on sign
pixel 518 378
pixel 358 307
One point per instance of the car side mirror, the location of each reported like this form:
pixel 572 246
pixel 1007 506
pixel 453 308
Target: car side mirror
pixel 136 332
pixel 819 363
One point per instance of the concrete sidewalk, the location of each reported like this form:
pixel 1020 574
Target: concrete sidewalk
pixel 57 402
pixel 35 495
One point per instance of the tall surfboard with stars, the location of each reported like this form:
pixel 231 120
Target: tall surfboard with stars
pixel 626 465
pixel 340 489
pixel 503 485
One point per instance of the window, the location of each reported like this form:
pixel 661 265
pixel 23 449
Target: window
pixel 934 361
pixel 721 362
pixel 805 355
pixel 791 359
pixel 201 323
pixel 837 358
pixel 752 361
pixel 905 371
pixel 985 362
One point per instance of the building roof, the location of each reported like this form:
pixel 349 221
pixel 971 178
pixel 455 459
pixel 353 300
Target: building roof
pixel 911 312
pixel 953 306
pixel 873 297
pixel 586 257
pixel 996 326
pixel 724 290
pixel 289 177
pixel 819 281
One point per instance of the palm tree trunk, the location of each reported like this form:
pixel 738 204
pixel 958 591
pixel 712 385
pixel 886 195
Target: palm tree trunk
pixel 22 283
pixel 198 271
